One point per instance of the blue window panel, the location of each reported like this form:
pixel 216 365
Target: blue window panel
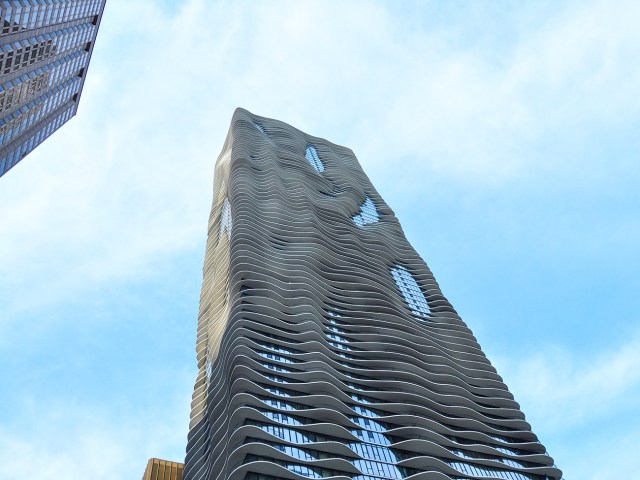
pixel 340 346
pixel 276 348
pixel 366 411
pixel 279 379
pixel 304 470
pixel 413 296
pixel 277 391
pixel 375 452
pixel 368 477
pixel 376 468
pixel 476 455
pixel 226 222
pixel 338 338
pixel 500 438
pixel 355 386
pixel 508 451
pixel 281 417
pixel 368 214
pixel 287 434
pixel 278 358
pixel 376 460
pixel 311 154
pixel 337 330
pixel 371 437
pixel 277 368
pixel 483 471
pixel 274 402
pixel 295 452
pixel 368 424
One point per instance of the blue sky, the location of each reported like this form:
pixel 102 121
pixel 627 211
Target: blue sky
pixel 503 134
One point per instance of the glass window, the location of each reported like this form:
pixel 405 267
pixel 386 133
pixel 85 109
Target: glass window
pixel 368 424
pixel 278 358
pixel 368 214
pixel 226 222
pixel 281 417
pixel 276 348
pixel 277 368
pixel 311 155
pixel 411 292
pixel 371 437
pixel 483 471
pixel 281 404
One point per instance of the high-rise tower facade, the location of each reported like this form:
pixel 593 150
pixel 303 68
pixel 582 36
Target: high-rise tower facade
pixel 325 346
pixel 45 47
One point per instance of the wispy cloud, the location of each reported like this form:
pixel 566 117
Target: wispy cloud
pixel 583 404
pixel 566 389
pixel 62 437
pixel 600 456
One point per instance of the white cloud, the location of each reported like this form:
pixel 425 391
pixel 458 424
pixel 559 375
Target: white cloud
pixel 61 437
pixel 567 390
pixel 601 458
pixel 581 404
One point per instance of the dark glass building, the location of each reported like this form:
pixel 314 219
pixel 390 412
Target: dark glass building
pixel 45 48
pixel 325 347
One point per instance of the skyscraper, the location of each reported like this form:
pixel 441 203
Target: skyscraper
pixel 325 346
pixel 45 48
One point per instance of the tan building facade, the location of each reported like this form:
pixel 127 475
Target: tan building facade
pixel 158 469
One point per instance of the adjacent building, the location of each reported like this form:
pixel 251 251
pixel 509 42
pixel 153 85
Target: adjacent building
pixel 45 48
pixel 325 347
pixel 158 469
